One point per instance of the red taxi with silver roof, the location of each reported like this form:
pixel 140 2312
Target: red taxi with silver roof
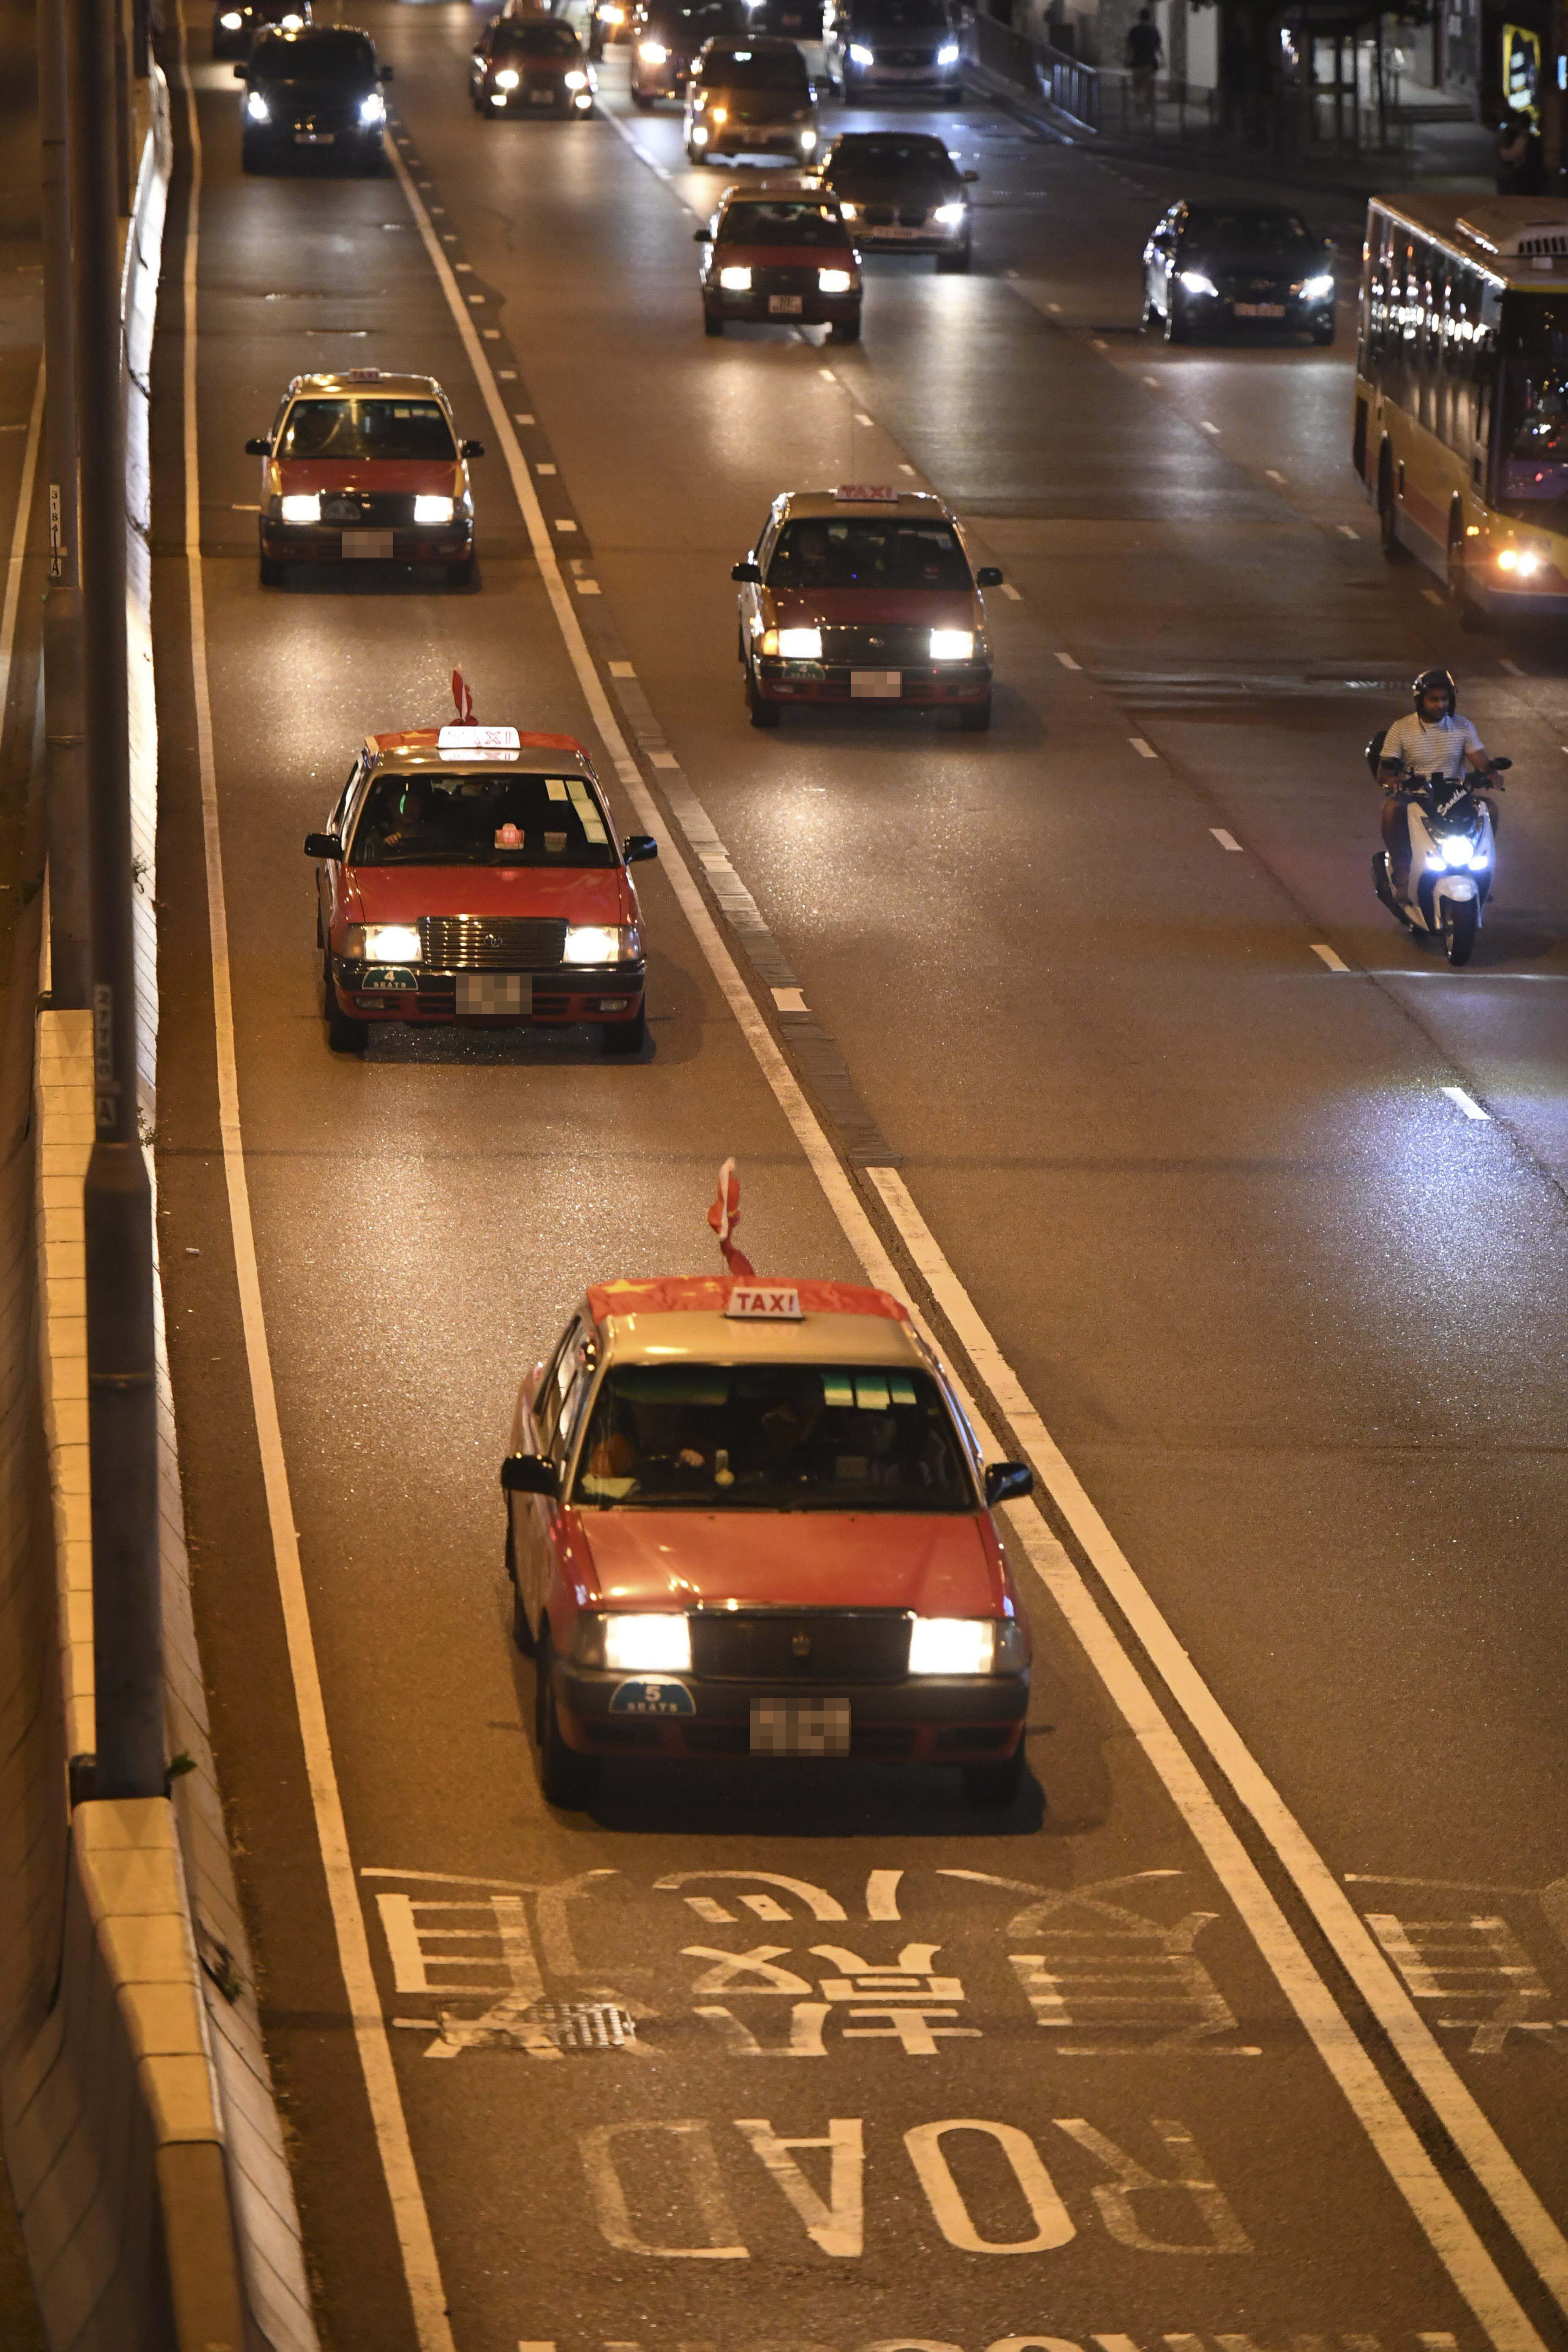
pixel 474 875
pixel 362 466
pixel 864 593
pixel 747 1517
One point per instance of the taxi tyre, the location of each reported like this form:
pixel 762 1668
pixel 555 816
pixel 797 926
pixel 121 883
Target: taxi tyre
pixel 763 713
pixel 269 572
pixel 625 1036
pixel 643 99
pixel 345 1033
pixel 565 1777
pixel 952 264
pixel 521 1631
pixel 991 1787
pixel 254 156
pixel 844 331
pixel 1323 336
pixel 1178 326
pixel 974 718
pixel 460 575
pixel 712 324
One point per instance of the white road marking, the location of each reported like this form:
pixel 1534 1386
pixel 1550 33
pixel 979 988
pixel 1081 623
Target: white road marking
pixel 416 2246
pixel 492 335
pixel 789 1000
pixel 460 267
pixel 1434 596
pixel 542 468
pixel 904 467
pixel 1015 595
pixel 1208 427
pixel 1447 2229
pixel 1068 662
pixel 1153 382
pixel 662 760
pixel 563 522
pixel 518 418
pixel 827 375
pixel 19 536
pixel 1095 344
pixel 1054 308
pixel 507 376
pixel 1225 840
pixel 1144 750
pixel 1328 957
pixel 242 507
pixel 1433 2203
pixel 587 587
pixel 861 417
pixel 1346 533
pixel 1512 668
pixel 1467 1103
pixel 622 669
pixel 1272 475
pixel 1053 2223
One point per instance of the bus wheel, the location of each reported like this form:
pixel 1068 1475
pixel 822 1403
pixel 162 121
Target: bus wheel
pixel 1471 613
pixel 1387 521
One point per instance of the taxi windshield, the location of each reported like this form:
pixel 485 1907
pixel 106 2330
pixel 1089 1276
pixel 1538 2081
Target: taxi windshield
pixel 440 818
pixel 772 1437
pixel 408 429
pixel 549 38
pixel 855 551
pixel 756 69
pixel 751 223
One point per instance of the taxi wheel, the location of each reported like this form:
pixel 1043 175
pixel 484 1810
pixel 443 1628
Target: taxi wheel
pixel 712 323
pixel 565 1778
pixel 847 330
pixel 460 575
pixel 764 714
pixel 952 264
pixel 345 1033
pixel 269 573
pixel 990 1787
pixel 521 1631
pixel 974 719
pixel 642 101
pixel 626 1037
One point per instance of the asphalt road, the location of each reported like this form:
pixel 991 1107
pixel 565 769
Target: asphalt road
pixel 1291 1315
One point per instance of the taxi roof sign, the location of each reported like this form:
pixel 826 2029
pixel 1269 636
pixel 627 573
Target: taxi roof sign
pixel 764 1302
pixel 869 493
pixel 472 743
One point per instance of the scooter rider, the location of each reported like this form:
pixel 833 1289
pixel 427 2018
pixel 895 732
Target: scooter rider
pixel 1434 740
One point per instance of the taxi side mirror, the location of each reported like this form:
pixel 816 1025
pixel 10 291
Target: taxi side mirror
pixel 240 72
pixel 530 1473
pixel 323 845
pixel 989 576
pixel 972 177
pixel 470 448
pixel 702 236
pixel 1007 1481
pixel 640 847
pixel 386 74
pixel 257 448
pixel 747 570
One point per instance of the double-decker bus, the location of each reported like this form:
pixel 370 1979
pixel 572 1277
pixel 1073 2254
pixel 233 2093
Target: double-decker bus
pixel 1461 395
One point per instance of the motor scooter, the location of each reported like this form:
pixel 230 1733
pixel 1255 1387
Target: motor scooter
pixel 1453 850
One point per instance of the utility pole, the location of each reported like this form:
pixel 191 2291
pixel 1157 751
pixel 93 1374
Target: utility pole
pixel 117 1204
pixel 70 936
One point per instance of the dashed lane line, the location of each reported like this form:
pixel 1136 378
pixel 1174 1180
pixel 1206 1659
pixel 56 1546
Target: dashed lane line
pixel 1227 840
pixel 1467 1103
pixel 1334 963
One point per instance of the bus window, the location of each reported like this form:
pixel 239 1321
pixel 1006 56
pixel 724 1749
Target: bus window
pixel 1532 470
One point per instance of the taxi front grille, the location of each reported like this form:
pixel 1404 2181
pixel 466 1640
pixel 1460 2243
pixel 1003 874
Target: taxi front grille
pixel 767 280
pixel 1241 288
pixel 491 942
pixel 843 1645
pixel 384 509
pixel 878 644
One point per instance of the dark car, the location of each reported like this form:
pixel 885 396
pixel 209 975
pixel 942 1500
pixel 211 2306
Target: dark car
pixel 314 92
pixel 751 96
pixel 236 23
pixel 1211 268
pixel 886 46
pixel 902 192
pixel 778 250
pixel 796 20
pixel 530 65
pixel 666 35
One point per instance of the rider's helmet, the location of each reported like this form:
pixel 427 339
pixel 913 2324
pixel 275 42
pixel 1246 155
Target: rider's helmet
pixel 1436 681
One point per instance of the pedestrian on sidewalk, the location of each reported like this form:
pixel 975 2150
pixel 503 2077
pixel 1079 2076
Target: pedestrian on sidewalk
pixel 1145 56
pixel 1521 167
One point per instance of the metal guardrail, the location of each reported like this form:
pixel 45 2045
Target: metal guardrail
pixel 1038 68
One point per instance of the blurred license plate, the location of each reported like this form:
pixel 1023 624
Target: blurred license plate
pixel 800 1726
pixel 373 545
pixel 876 684
pixel 315 138
pixel 784 306
pixel 542 98
pixel 494 991
pixel 1258 309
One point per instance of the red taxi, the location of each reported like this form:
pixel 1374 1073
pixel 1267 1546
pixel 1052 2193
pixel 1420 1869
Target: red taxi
pixel 473 874
pixel 777 251
pixel 864 595
pixel 367 467
pixel 748 1517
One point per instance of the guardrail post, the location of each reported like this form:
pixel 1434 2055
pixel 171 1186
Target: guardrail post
pixel 117 1202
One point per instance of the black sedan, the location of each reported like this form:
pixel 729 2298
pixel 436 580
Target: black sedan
pixel 901 192
pixel 1210 269
pixel 314 93
pixel 237 23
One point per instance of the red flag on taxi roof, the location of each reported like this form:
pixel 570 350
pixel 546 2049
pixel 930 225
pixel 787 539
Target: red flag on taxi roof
pixel 724 1216
pixel 463 697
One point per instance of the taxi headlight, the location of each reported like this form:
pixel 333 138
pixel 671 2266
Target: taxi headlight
pixel 834 282
pixel 427 508
pixel 508 78
pixel 807 141
pixel 859 55
pixel 948 54
pixel 698 134
pixel 850 212
pixel 717 114
pixel 388 942
pixel 231 20
pixel 302 506
pixel 654 53
pixel 576 78
pixel 949 215
pixel 1317 290
pixel 373 110
pixel 256 107
pixel 1196 282
pixel 648 1644
pixel 952 1646
pixel 602 943
pixel 800 645
pixel 952 645
pixel 736 279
